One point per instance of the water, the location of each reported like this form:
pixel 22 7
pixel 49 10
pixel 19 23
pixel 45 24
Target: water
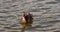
pixel 46 14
